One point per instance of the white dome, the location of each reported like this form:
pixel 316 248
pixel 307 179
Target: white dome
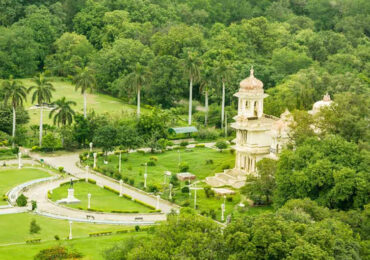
pixel 325 102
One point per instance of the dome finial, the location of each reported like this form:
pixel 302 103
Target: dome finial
pixel 252 72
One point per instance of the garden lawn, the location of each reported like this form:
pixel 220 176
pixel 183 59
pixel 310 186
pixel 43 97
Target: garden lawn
pixel 92 248
pixel 101 199
pixel 100 103
pixel 15 228
pixel 10 177
pixel 196 158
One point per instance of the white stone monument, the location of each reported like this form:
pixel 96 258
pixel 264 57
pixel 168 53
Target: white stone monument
pixel 71 197
pixel 70 229
pixel 95 155
pixel 88 200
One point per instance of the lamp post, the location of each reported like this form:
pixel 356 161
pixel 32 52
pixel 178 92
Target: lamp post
pixel 88 200
pixel 19 160
pixel 222 211
pixel 166 173
pixel 157 206
pixel 170 197
pixel 195 195
pixel 95 155
pixel 87 173
pixel 70 229
pixel 91 146
pixel 145 174
pixel 120 188
pixel 119 162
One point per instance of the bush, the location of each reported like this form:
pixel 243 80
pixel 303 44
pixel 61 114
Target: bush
pixel 212 213
pixel 170 143
pixel 125 211
pixel 5 198
pixel 34 228
pixel 141 151
pixel 137 228
pixel 21 201
pixel 185 189
pixel 232 151
pixel 184 143
pixel 209 192
pixel 144 204
pixel 56 237
pixel 33 241
pixel 34 204
pixel 91 181
pixel 221 145
pixel 110 189
pixel 225 166
pixel 131 182
pixel 153 158
pixel 61 169
pixel 200 146
pixel 210 161
pixel 57 252
pixel 184 167
pixel 208 134
pixel 229 199
pixel 151 163
pixel 117 176
pixel 98 234
pixel 153 188
pixel 186 203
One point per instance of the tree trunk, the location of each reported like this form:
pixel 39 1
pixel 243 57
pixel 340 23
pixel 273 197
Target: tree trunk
pixel 40 130
pixel 14 121
pixel 206 105
pixel 138 101
pixel 85 104
pixel 223 105
pixel 190 99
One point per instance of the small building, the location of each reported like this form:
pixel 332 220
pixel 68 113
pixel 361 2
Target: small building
pixel 185 176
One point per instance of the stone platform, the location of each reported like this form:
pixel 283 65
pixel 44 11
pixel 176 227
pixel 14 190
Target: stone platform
pixel 230 177
pixel 70 199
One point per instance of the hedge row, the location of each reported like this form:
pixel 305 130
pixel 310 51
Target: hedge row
pixel 91 181
pixel 110 189
pixel 98 234
pixel 125 211
pixel 33 241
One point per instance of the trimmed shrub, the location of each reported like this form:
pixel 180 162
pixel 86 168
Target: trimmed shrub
pixel 131 182
pixel 5 198
pixel 225 166
pixel 153 188
pixel 186 203
pixel 21 201
pixel 184 167
pixel 184 143
pixel 91 181
pixel 229 198
pixel 232 151
pixel 200 145
pixel 137 228
pixel 61 169
pixel 34 228
pixel 221 145
pixel 56 237
pixel 144 204
pixel 125 211
pixel 34 204
pixel 98 234
pixel 210 161
pixel 185 189
pixel 33 241
pixel 209 192
pixel 110 189
pixel 151 163
pixel 153 158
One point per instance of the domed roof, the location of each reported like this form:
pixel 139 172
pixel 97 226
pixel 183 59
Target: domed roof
pixel 326 101
pixel 251 82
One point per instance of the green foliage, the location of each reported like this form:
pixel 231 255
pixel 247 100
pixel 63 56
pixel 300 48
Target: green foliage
pixel 330 171
pixel 21 201
pixel 34 227
pixel 221 145
pixel 183 167
pixel 185 189
pixel 57 252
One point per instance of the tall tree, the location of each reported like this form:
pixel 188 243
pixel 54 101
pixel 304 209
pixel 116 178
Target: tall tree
pixel 85 80
pixel 15 93
pixel 223 72
pixel 138 78
pixel 42 93
pixel 62 113
pixel 205 84
pixel 191 65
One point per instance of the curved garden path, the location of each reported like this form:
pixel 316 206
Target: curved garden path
pixel 69 162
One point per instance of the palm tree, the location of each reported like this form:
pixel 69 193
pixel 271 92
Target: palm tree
pixel 42 94
pixel 62 113
pixel 191 66
pixel 138 78
pixel 16 93
pixel 223 71
pixel 205 84
pixel 85 80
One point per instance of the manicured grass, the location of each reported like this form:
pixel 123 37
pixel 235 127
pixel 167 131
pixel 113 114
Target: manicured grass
pixel 10 177
pixel 15 228
pixel 100 103
pixel 91 248
pixel 101 199
pixel 169 161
